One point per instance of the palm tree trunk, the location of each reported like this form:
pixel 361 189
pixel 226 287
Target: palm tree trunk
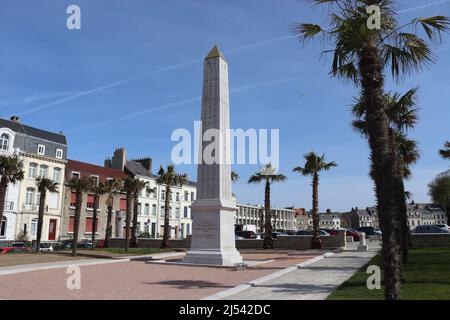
pixel 108 232
pixel 127 221
pixel 76 222
pixel 3 187
pixel 94 220
pixel 165 243
pixel 40 220
pixel 262 221
pixel 316 242
pixel 370 69
pixel 134 230
pixel 268 241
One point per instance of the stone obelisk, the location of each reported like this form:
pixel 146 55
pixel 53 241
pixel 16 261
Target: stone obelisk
pixel 213 239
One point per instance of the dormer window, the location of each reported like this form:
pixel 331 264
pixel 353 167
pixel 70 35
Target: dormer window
pixel 59 153
pixel 4 142
pixel 94 180
pixel 41 149
pixel 75 175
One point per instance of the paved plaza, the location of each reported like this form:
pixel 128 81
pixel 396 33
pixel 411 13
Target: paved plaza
pixel 280 278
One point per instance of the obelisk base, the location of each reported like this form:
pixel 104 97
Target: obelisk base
pixel 213 239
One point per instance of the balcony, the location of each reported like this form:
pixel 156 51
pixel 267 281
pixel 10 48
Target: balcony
pixel 30 207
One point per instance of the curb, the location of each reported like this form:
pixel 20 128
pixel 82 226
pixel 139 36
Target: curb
pixel 242 287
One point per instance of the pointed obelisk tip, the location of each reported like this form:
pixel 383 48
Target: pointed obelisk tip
pixel 214 53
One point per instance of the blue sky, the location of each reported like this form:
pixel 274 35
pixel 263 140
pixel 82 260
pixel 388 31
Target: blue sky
pixel 133 56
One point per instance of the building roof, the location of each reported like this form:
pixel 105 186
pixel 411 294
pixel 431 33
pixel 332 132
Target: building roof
pixel 88 169
pixel 34 132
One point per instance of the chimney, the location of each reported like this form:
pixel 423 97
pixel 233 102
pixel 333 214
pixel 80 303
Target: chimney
pixel 146 163
pixel 328 210
pixel 15 119
pixel 119 159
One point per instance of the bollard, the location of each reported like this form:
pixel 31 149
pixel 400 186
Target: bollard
pixel 362 246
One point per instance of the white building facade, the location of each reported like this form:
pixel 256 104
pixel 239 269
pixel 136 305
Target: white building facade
pixel 282 218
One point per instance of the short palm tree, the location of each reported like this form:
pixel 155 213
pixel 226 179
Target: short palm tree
pixel 445 153
pixel 402 116
pixel 234 176
pixel 361 54
pixel 267 175
pixel 80 186
pixel 111 188
pixel 129 187
pixel 11 171
pixel 313 166
pixel 97 189
pixel 169 178
pixel 43 185
pixel 139 186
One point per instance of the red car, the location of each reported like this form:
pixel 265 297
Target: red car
pixel 352 233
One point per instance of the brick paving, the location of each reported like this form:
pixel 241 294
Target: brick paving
pixel 140 280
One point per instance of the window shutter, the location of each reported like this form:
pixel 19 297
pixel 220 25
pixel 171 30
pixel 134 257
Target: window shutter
pixel 123 204
pixel 71 223
pixel 89 225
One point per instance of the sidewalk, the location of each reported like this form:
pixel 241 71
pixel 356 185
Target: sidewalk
pixel 312 282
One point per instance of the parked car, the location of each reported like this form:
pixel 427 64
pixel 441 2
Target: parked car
pixel 290 232
pixel 277 234
pixel 443 226
pixel 309 233
pixel 369 231
pixel 68 244
pixel 236 237
pixel 352 233
pixel 19 246
pixel 430 229
pixel 246 234
pixel 46 247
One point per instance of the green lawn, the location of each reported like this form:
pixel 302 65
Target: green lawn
pixel 134 251
pixel 427 277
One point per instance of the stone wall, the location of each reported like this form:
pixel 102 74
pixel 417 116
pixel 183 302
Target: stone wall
pixel 430 240
pixel 286 242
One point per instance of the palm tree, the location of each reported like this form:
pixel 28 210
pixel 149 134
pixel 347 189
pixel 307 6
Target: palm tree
pixel 234 176
pixel 313 166
pixel 439 190
pixel 111 188
pixel 138 187
pixel 360 54
pixel 129 187
pixel 445 153
pixel 80 186
pixel 43 185
pixel 97 189
pixel 402 116
pixel 269 176
pixel 11 171
pixel 169 178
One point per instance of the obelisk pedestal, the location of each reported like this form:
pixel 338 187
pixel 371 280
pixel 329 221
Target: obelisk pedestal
pixel 213 239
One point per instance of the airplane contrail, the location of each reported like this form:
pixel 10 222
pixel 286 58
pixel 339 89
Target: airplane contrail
pixel 424 6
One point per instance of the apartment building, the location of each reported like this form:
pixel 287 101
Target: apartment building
pixel 282 218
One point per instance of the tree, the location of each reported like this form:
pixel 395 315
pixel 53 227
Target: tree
pixel 313 166
pixel 11 171
pixel 439 190
pixel 402 116
pixel 169 178
pixel 138 187
pixel 80 186
pixel 361 51
pixel 234 176
pixel 43 185
pixel 129 187
pixel 268 176
pixel 97 189
pixel 111 188
pixel 445 153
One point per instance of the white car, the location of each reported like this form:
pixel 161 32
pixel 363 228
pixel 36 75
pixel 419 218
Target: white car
pixel 46 247
pixel 443 226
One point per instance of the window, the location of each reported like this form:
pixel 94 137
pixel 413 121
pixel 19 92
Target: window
pixel 41 149
pixel 71 224
pixel 56 174
pixel 147 192
pixel 185 212
pixel 177 196
pixel 154 209
pixel 54 197
pixel 29 197
pixel 177 212
pixel 59 153
pixel 154 192
pixel 32 170
pixel 89 225
pixel 43 171
pixel 4 142
pixel 33 230
pixel 90 201
pixel 163 194
pixel 3 227
pixel 192 196
pixel 75 175
pixel 123 204
pixel 73 199
pixel 147 209
pixel 186 196
pixel 188 229
pixel 95 180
